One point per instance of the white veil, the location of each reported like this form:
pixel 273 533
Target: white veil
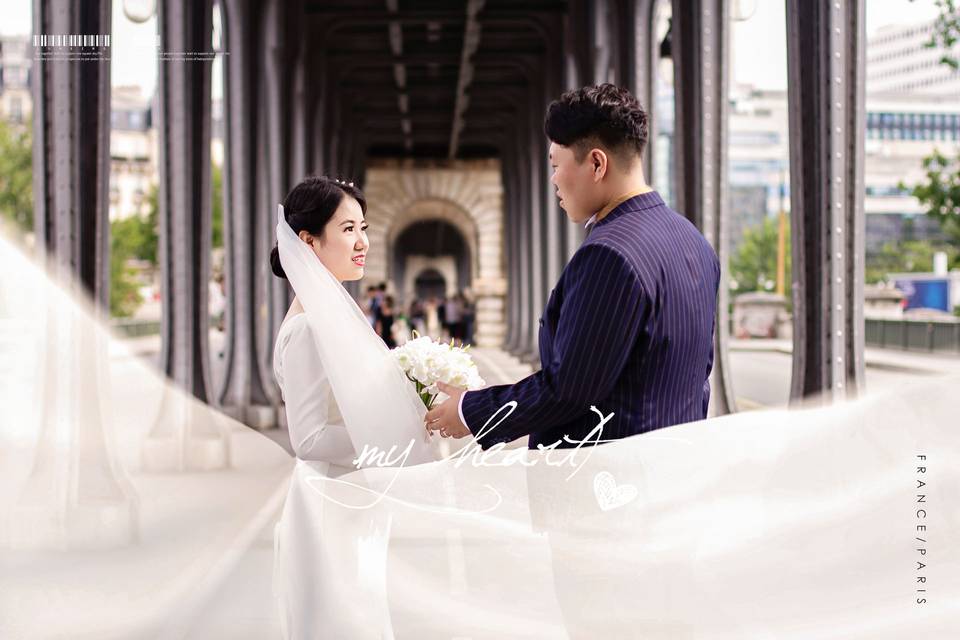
pixel 380 406
pixel 800 524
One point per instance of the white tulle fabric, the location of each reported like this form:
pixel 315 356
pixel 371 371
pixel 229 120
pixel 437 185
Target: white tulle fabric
pixel 799 524
pixel 382 413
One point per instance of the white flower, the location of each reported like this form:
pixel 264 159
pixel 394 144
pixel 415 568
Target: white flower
pixel 427 362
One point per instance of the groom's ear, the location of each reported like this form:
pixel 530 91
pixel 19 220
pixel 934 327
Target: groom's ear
pixel 600 162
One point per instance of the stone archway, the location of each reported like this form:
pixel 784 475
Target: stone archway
pixel 468 195
pixel 443 265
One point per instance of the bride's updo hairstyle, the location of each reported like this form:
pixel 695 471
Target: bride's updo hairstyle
pixel 310 206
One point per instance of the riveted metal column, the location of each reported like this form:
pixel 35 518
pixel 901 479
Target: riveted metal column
pixel 243 395
pixel 301 135
pixel 509 168
pixel 175 439
pixel 556 220
pixel 527 314
pixel 640 45
pixel 524 223
pixel 517 259
pixel 278 64
pixel 536 246
pixel 184 196
pixel 602 42
pixel 576 71
pixel 71 166
pixel 825 46
pixel 75 496
pixel 625 52
pixel 700 35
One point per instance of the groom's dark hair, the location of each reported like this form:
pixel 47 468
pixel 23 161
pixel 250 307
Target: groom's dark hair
pixel 604 115
pixel 310 206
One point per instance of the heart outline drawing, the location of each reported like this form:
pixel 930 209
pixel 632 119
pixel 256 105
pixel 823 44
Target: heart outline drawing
pixel 611 495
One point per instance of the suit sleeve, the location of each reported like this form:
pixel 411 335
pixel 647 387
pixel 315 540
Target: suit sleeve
pixel 706 382
pixel 601 314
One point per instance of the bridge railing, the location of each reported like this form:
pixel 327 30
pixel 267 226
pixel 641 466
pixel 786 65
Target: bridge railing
pixel 932 336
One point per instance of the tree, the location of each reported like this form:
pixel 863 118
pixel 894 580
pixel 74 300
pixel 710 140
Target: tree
pixel 124 288
pixel 134 237
pixel 137 235
pixel 946 32
pixel 754 266
pixel 941 192
pixel 909 256
pixel 16 175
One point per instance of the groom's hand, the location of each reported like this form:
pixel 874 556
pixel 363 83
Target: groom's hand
pixel 445 417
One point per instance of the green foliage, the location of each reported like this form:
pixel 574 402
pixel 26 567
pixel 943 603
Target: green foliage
pixel 909 256
pixel 137 236
pixel 131 238
pixel 124 289
pixel 946 32
pixel 941 191
pixel 16 175
pixel 754 265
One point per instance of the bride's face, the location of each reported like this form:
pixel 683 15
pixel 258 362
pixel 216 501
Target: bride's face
pixel 342 248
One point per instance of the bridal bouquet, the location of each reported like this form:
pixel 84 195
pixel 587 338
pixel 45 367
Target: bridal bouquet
pixel 426 362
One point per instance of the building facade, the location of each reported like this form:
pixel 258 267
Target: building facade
pixel 15 62
pixel 898 62
pixel 133 152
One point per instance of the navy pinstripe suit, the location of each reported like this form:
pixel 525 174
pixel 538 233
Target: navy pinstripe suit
pixel 628 328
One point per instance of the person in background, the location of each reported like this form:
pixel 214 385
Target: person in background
pixel 418 316
pixel 469 316
pixel 432 316
pixel 385 322
pixel 453 317
pixel 370 305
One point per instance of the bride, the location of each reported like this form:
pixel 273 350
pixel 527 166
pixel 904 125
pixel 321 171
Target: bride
pixel 329 362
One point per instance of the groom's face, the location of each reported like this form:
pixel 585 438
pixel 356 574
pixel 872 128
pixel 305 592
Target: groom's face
pixel 577 186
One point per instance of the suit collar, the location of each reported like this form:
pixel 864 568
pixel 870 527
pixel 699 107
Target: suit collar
pixel 635 202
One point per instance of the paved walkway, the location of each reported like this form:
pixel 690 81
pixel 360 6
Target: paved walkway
pixel 761 371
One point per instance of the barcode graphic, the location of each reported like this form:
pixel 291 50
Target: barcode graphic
pixel 72 40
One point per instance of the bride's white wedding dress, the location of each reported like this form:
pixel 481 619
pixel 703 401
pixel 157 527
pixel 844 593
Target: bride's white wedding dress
pixel 343 394
pixel 323 449
pixel 314 421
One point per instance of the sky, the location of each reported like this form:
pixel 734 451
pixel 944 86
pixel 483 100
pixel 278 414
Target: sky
pixel 758 43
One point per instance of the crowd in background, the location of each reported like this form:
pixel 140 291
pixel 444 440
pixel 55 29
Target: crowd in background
pixel 441 318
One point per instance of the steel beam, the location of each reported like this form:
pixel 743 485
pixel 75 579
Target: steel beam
pixel 76 495
pixel 700 55
pixel 639 45
pixel 243 395
pixel 71 162
pixel 184 198
pixel 825 53
pixel 278 67
pixel 183 436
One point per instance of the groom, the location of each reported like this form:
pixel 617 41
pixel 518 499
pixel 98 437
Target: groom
pixel 629 326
